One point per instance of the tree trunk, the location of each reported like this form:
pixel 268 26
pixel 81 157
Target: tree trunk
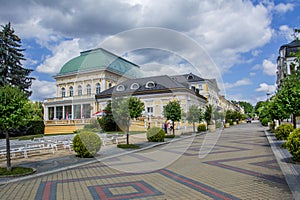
pixel 173 127
pixel 127 131
pixel 194 127
pixel 294 121
pixel 8 161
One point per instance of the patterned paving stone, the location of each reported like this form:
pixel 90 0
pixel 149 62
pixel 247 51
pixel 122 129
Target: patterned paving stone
pixel 240 166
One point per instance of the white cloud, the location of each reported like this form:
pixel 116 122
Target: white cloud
pixel 252 74
pixel 61 54
pixel 242 82
pixel 269 68
pixel 42 89
pixel 283 8
pixel 264 87
pixel 287 32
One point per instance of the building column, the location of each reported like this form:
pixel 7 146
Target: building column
pixel 46 113
pixel 55 117
pixel 63 112
pixel 72 108
pixel 103 85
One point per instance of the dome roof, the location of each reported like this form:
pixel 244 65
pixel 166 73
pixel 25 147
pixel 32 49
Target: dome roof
pixel 99 59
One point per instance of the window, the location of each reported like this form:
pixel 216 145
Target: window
pixel 190 77
pixel 109 85
pixel 200 87
pixel 120 88
pixel 134 86
pixel 88 89
pixel 150 84
pixel 79 90
pixel 149 109
pixel 63 92
pixel 98 88
pixel 71 91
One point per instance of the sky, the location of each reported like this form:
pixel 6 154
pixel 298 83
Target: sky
pixel 234 41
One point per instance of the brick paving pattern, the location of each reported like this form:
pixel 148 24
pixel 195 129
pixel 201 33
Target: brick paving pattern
pixel 240 166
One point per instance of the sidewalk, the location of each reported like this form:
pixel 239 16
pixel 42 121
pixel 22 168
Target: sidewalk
pixel 290 170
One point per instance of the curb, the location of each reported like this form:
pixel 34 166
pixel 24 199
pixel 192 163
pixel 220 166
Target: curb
pixel 291 175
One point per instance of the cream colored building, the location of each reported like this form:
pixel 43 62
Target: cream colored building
pixel 80 79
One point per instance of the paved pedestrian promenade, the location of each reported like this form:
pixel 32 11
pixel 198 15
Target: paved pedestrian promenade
pixel 236 163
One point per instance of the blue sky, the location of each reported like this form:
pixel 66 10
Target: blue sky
pixel 240 38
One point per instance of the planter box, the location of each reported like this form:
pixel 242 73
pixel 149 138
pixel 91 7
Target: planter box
pixel 234 123
pixel 211 128
pixel 226 125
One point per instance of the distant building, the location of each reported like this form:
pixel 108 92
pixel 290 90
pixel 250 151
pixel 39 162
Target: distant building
pixel 155 92
pixel 285 61
pixel 205 87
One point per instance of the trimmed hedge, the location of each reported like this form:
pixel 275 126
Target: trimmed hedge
pixel 283 130
pixel 86 144
pixel 156 134
pixel 201 128
pixel 264 122
pixel 293 144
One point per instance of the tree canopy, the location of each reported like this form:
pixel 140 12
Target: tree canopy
pixel 14 110
pixel 11 70
pixel 194 115
pixel 124 109
pixel 173 112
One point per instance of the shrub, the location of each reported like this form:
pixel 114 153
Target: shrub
pixel 264 122
pixel 230 122
pixel 155 134
pixel 201 127
pixel 86 144
pixel 35 127
pixel 293 144
pixel 282 132
pixel 218 124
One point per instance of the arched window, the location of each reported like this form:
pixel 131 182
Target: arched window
pixel 150 84
pixel 71 92
pixel 79 90
pixel 63 92
pixel 98 88
pixel 120 88
pixel 109 85
pixel 88 89
pixel 134 86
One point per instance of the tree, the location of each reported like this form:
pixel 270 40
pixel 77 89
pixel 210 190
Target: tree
pixel 125 109
pixel 208 114
pixel 288 95
pixel 248 108
pixel 194 115
pixel 107 121
pixel 11 70
pixel 14 111
pixel 173 112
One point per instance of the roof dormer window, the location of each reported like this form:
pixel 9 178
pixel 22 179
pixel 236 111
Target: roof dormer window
pixel 120 88
pixel 134 86
pixel 190 77
pixel 150 84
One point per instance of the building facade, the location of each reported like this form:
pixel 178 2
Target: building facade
pixel 80 79
pixel 285 61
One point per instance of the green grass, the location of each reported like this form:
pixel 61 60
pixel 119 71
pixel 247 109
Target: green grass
pixel 128 146
pixel 120 132
pixel 15 171
pixel 27 137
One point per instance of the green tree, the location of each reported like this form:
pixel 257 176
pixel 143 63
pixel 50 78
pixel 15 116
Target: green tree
pixel 107 121
pixel 208 114
pixel 14 111
pixel 125 109
pixel 194 115
pixel 11 69
pixel 36 110
pixel 248 108
pixel 173 112
pixel 288 95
